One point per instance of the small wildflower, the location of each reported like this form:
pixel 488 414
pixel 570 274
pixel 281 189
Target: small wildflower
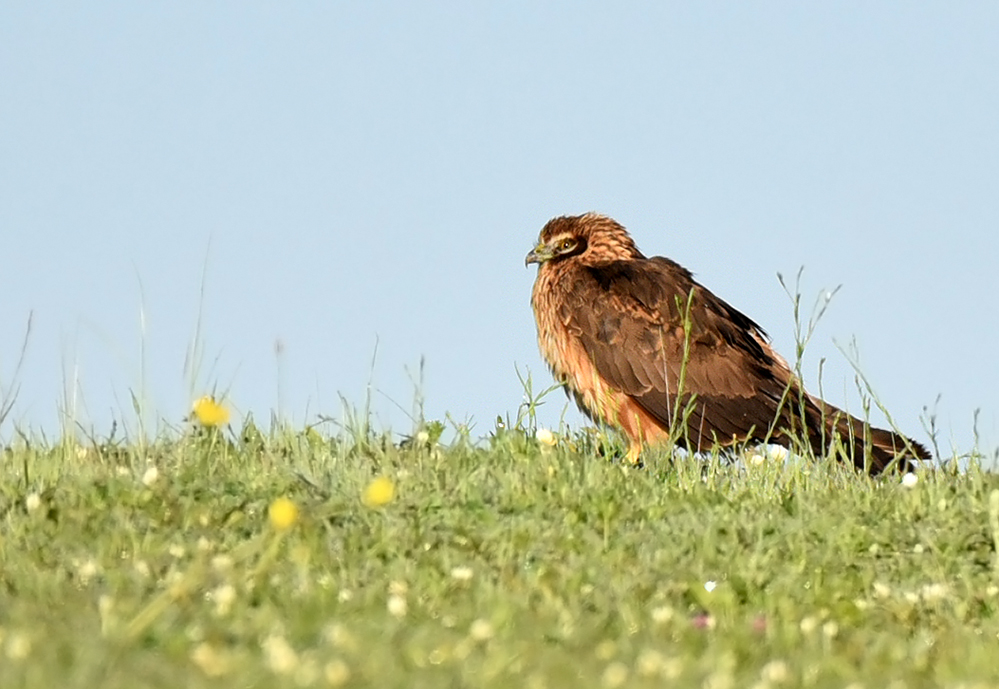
pixel 281 657
pixel 672 668
pixel 177 551
pixel 210 660
pixel 809 624
pixel 397 606
pixel 605 650
pixel 934 592
pixel 149 478
pixel 87 571
pixel 775 672
pixel 481 630
pixel 18 646
pixel 379 492
pixel 881 590
pixel 709 586
pixel 33 502
pixel 462 574
pixel 339 637
pixel 777 452
pixel 224 596
pixel 830 629
pixel 649 662
pixel 141 568
pixel 703 621
pixel 662 614
pixel 337 673
pixel 911 597
pixel 918 549
pixel 208 412
pixel 283 514
pixel 545 437
pixel 615 675
pixel 992 591
pixel 345 595
pixel 910 480
pixel 222 563
pixel 757 459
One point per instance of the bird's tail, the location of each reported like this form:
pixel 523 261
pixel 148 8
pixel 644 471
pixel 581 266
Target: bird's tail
pixel 870 449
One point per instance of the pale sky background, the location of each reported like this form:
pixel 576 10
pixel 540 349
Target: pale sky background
pixel 354 173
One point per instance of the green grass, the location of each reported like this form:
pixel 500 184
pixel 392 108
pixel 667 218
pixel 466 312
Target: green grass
pixel 503 563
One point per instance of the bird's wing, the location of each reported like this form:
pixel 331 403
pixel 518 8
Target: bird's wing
pixel 629 317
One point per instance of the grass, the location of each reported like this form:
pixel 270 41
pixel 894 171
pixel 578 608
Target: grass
pixel 501 563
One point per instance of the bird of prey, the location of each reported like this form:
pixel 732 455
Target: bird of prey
pixel 643 347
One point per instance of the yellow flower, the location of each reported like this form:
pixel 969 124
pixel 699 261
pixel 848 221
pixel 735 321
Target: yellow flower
pixel 379 492
pixel 209 412
pixel 283 514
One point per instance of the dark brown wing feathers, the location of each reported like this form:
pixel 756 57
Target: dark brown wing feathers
pixel 629 317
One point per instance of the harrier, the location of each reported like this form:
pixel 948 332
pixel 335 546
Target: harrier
pixel 644 347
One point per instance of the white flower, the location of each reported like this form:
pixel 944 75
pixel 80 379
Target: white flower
pixel 615 675
pixel 910 480
pixel 223 596
pixel 281 657
pixel 663 614
pixel 481 630
pixel 87 571
pixel 709 586
pixel 337 673
pixel 19 646
pixel 149 478
pixel 545 437
pixel 33 502
pixel 397 606
pixel 222 563
pixel 775 672
pixel 934 592
pixel 777 452
pixel 462 573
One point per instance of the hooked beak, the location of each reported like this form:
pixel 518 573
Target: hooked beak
pixel 538 255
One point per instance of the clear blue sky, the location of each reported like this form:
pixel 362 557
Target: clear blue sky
pixel 355 173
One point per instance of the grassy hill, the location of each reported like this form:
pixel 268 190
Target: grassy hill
pixel 237 558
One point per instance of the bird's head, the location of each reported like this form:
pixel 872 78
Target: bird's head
pixel 594 238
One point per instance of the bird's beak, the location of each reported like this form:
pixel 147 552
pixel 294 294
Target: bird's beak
pixel 539 255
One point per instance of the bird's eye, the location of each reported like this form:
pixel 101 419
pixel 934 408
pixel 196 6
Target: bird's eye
pixel 566 244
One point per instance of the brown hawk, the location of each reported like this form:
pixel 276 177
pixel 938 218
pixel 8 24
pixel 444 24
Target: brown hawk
pixel 644 347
